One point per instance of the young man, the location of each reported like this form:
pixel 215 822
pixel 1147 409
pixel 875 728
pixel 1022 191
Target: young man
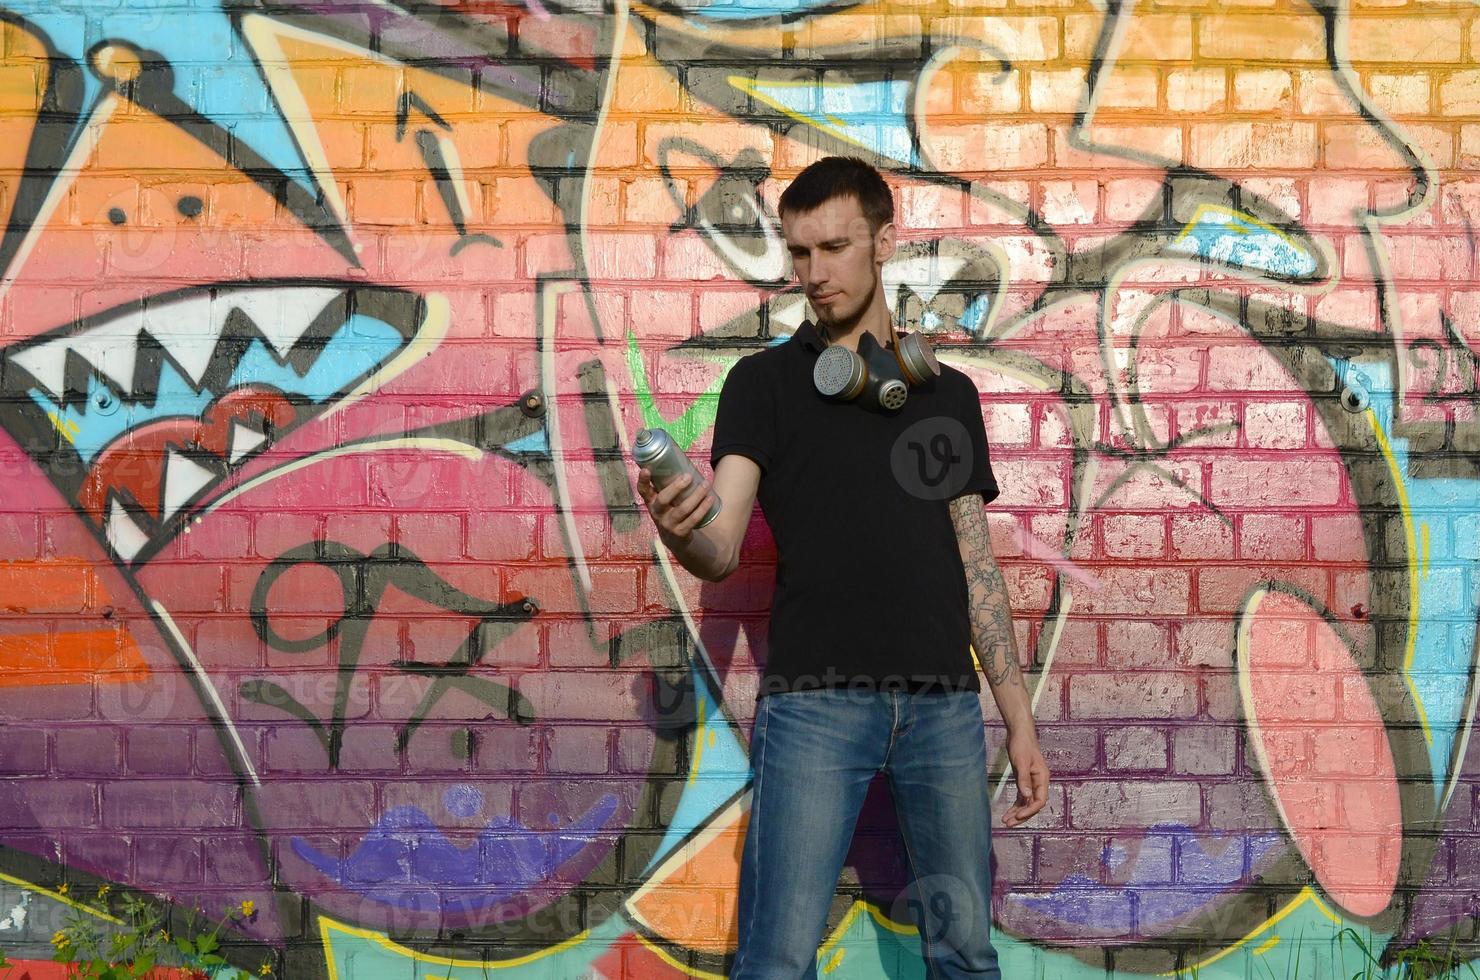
pixel 884 577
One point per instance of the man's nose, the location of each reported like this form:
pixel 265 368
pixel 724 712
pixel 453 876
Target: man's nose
pixel 816 271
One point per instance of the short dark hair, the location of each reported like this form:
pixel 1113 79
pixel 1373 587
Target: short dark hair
pixel 833 177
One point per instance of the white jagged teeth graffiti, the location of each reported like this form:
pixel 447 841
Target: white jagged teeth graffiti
pixel 183 478
pixel 281 315
pixel 244 439
pixel 123 533
pixel 111 348
pixel 188 329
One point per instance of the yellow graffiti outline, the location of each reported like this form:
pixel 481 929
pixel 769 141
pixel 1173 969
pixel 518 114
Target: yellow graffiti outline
pixel 1307 894
pixel 1266 946
pixel 701 718
pixel 833 961
pixel 751 88
pixel 1413 596
pixel 1243 217
pixel 24 885
pixel 66 427
pixel 389 945
pixel 669 959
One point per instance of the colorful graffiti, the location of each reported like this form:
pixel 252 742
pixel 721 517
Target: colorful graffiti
pixel 325 328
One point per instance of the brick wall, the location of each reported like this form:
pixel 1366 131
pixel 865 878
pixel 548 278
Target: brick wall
pixel 325 588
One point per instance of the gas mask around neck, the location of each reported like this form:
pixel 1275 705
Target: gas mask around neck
pixel 881 375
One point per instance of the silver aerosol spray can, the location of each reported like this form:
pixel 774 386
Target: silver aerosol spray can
pixel 656 452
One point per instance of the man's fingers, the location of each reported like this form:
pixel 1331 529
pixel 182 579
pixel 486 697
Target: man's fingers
pixel 696 512
pixel 668 494
pixel 1040 785
pixel 695 501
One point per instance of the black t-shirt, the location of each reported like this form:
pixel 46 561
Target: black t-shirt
pixel 870 589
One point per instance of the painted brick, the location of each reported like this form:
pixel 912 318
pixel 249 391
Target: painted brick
pixel 1131 645
pixel 159 750
pixel 1127 803
pixel 1273 483
pixel 1204 750
pixel 1133 695
pixel 1406 40
pixel 1128 88
pixel 1271 537
pixel 1238 36
pixel 1055 91
pixel 1134 536
pixel 1135 748
pixel 23 750
pixel 1237 146
pixel 172 804
pixel 1275 425
pixel 1263 90
pixel 1069 202
pixel 177 858
pixel 1196 89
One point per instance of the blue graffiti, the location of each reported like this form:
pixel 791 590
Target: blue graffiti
pixel 536 443
pixel 867 114
pixel 1145 902
pixel 750 9
pixel 719 767
pixel 406 854
pixel 214 73
pixel 1227 236
pixel 1446 535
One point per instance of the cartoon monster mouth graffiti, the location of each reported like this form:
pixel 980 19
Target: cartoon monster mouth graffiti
pixel 140 411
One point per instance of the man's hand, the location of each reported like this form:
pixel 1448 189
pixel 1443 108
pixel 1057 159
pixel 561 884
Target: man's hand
pixel 675 518
pixel 1032 777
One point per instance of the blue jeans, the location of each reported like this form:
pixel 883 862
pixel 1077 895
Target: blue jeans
pixel 813 754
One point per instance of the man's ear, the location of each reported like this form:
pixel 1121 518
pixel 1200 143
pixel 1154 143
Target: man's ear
pixel 884 243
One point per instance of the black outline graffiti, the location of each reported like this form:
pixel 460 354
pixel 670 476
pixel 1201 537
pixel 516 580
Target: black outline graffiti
pixel 363 579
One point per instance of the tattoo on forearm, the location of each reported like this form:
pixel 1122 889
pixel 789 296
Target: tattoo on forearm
pixel 991 612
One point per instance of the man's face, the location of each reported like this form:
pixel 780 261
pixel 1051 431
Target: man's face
pixel 837 257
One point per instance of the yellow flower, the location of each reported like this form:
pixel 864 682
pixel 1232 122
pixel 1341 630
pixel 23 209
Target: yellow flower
pixel 265 970
pixel 63 888
pixel 248 908
pixel 59 938
pixel 103 890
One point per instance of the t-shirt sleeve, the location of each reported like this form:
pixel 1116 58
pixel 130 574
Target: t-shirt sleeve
pixel 981 480
pixel 745 421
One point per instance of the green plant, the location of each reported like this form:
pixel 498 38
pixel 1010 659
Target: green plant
pixel 131 951
pixel 1422 961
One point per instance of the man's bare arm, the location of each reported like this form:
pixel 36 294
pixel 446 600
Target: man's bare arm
pixel 996 648
pixel 991 613
pixel 710 553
